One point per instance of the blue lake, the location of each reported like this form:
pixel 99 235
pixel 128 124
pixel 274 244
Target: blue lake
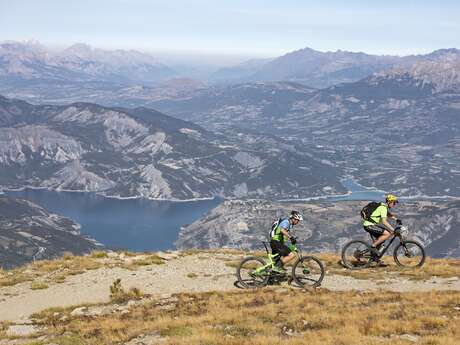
pixel 134 224
pixel 141 224
pixel 358 192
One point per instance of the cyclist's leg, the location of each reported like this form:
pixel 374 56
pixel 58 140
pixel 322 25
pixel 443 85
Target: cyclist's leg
pixel 289 258
pixel 379 235
pixel 282 250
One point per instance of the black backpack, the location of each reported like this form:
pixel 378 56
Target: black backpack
pixel 367 210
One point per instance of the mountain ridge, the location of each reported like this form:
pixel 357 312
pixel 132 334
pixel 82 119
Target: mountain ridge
pixel 30 232
pixel 141 152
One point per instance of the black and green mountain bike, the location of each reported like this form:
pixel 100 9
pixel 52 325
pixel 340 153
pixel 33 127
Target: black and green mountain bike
pixel 255 272
pixel 407 253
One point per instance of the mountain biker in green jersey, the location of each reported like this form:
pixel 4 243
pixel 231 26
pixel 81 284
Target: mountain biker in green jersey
pixel 378 225
pixel 280 235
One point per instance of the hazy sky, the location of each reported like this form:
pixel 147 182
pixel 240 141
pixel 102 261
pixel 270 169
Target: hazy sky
pixel 236 27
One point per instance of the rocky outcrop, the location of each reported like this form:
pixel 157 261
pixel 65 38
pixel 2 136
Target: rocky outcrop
pixel 29 232
pixel 143 153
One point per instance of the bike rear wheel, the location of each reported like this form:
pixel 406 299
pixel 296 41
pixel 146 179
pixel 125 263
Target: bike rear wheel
pixel 409 254
pixel 308 271
pixel 251 273
pixel 356 255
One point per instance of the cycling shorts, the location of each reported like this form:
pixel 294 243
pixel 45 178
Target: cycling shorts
pixel 279 248
pixel 376 230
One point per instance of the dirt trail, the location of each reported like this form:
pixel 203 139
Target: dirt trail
pixel 210 273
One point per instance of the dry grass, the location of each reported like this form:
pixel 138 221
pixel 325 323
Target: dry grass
pixel 98 254
pixel 119 295
pixel 143 260
pixel 279 316
pixel 38 285
pixel 57 270
pixel 13 277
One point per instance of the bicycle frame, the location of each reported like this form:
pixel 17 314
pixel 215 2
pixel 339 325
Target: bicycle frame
pixel 389 244
pixel 272 257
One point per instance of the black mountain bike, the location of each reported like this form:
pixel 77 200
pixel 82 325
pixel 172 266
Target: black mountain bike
pixel 254 272
pixel 356 254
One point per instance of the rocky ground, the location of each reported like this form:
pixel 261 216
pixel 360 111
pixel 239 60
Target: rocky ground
pixel 189 272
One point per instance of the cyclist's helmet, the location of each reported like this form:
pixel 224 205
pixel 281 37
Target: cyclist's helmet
pixel 296 215
pixel 391 198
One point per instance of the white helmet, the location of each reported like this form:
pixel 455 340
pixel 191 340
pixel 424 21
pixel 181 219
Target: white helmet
pixel 296 215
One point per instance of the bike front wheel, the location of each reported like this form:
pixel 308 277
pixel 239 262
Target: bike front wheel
pixel 356 255
pixel 308 271
pixel 252 273
pixel 409 254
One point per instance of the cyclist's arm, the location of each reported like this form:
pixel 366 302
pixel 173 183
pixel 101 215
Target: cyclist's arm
pixel 392 216
pixel 285 232
pixel 387 225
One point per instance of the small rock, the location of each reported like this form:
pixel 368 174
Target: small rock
pixel 24 321
pixel 132 303
pixel 79 311
pixel 409 337
pixel 22 330
pixel 107 310
pixel 167 307
pixel 150 339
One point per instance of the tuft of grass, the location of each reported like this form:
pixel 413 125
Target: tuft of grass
pixel 176 331
pixel 38 285
pixel 15 276
pixel 119 295
pixel 192 275
pixel 70 340
pixel 98 254
pixel 151 259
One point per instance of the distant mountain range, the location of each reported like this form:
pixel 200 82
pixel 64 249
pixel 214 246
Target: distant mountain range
pixel 30 232
pixel 327 226
pixel 143 153
pixel 32 72
pixel 323 69
pixel 25 63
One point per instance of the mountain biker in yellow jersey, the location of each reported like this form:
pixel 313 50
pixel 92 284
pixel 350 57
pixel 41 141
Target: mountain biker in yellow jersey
pixel 377 223
pixel 280 235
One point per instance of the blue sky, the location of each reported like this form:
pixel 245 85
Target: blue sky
pixel 241 28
